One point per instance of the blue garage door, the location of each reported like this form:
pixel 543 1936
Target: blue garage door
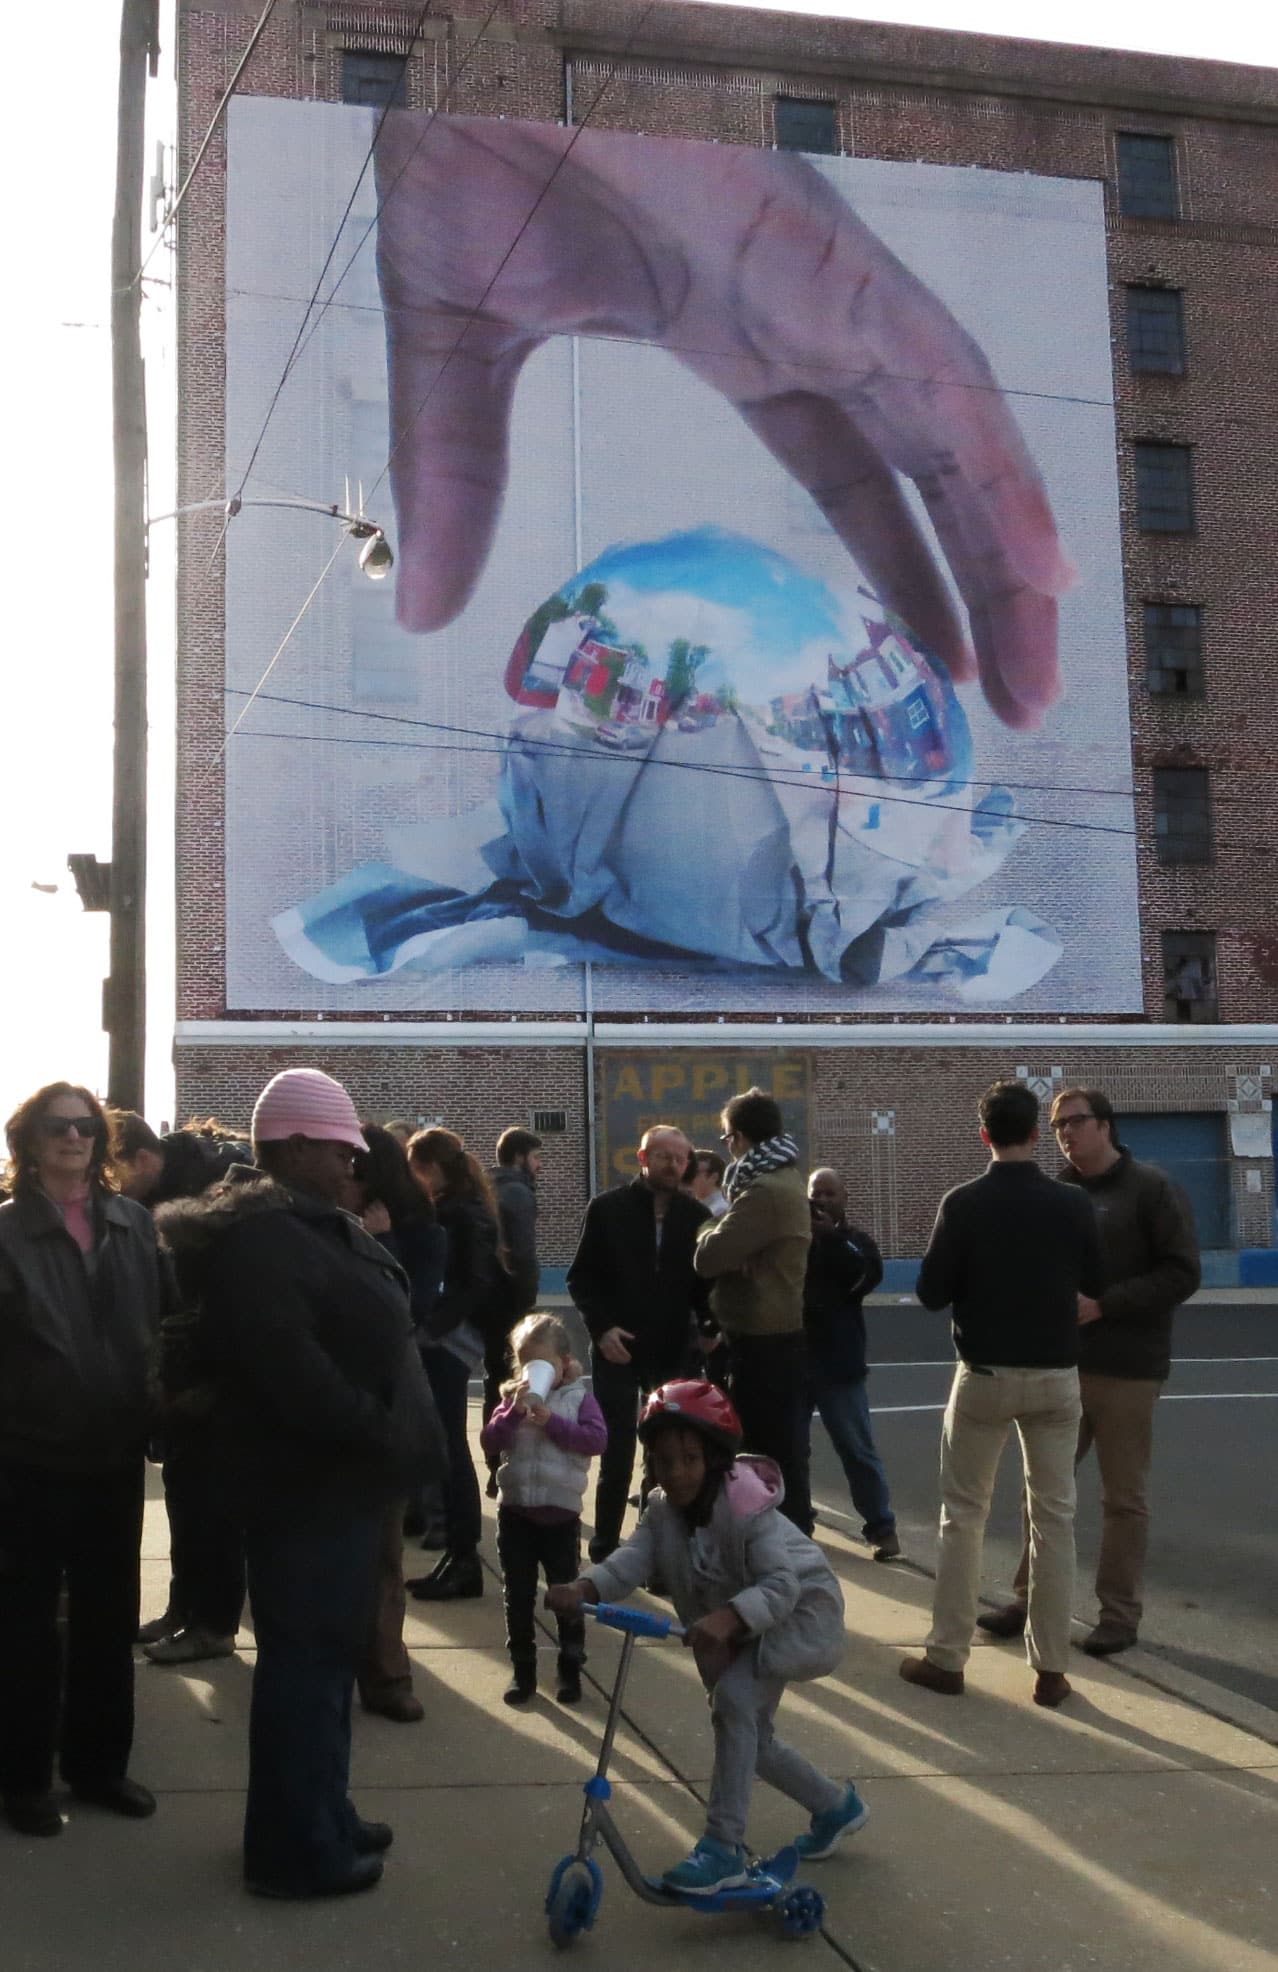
pixel 1194 1150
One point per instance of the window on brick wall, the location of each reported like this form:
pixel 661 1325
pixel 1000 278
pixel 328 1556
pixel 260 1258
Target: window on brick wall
pixel 801 125
pixel 1147 186
pixel 1164 488
pixel 1182 815
pixel 1156 331
pixel 376 79
pixel 1174 649
pixel 1189 976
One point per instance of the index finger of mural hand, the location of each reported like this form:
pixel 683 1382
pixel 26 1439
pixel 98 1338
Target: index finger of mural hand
pixel 449 430
pixel 860 496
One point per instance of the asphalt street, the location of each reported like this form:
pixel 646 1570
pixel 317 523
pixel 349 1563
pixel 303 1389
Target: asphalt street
pixel 1212 1584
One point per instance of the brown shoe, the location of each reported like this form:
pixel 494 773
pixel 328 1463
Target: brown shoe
pixel 1107 1639
pixel 1008 1621
pixel 921 1670
pixel 1051 1688
pixel 401 1706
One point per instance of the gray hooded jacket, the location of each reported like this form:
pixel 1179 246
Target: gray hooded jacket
pixel 778 1581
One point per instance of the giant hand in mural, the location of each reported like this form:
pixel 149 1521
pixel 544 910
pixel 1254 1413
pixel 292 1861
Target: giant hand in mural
pixel 751 269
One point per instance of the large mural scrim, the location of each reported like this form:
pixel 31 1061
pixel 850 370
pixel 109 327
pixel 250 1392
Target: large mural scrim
pixel 756 630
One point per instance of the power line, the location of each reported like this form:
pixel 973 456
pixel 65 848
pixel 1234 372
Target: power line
pixel 566 746
pixel 207 139
pixel 330 300
pixel 531 214
pixel 805 784
pixel 292 356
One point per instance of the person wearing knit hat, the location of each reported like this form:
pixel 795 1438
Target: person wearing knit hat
pixel 324 1420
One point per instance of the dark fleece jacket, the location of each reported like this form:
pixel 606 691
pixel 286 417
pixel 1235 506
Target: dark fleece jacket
pixel 304 1330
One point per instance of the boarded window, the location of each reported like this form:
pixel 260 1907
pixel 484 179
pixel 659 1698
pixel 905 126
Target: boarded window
pixel 1156 331
pixel 1182 814
pixel 806 126
pixel 1164 488
pixel 376 79
pixel 1189 976
pixel 1174 649
pixel 1147 186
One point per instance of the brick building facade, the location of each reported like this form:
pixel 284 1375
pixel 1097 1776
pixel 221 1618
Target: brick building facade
pixel 1188 154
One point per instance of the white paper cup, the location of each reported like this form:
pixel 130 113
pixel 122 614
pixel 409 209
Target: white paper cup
pixel 540 1378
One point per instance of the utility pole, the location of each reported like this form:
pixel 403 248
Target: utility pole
pixel 124 994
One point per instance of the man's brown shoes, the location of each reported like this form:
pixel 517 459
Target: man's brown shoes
pixel 921 1670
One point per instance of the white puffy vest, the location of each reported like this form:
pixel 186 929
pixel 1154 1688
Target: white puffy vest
pixel 538 1472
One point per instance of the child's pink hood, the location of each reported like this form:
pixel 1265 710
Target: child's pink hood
pixel 753 1484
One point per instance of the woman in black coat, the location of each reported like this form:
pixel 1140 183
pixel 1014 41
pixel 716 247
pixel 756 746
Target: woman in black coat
pixel 475 1306
pixel 81 1293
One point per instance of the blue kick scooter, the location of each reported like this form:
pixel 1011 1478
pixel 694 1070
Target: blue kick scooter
pixel 576 1887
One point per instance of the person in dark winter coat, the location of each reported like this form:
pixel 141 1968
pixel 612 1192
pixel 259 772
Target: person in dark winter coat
pixel 82 1290
pixel 514 1178
pixel 320 1407
pixel 398 1214
pixel 633 1282
pixel 1150 1250
pixel 206 1541
pixel 843 1267
pixel 472 1312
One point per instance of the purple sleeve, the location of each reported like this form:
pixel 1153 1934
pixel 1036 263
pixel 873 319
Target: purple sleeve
pixel 586 1433
pixel 502 1428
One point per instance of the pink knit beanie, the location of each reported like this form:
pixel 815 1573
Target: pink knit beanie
pixel 304 1102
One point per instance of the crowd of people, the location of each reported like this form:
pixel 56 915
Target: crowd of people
pixel 291 1323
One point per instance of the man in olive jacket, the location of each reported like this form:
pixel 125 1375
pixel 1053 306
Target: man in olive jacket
pixel 1150 1249
pixel 757 1257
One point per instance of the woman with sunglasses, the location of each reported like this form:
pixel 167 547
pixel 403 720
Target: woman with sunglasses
pixel 81 1290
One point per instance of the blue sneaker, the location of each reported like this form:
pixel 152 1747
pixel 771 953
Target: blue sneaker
pixel 828 1829
pixel 711 1866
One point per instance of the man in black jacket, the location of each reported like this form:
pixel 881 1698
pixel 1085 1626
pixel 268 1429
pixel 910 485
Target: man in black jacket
pixel 1010 1255
pixel 632 1280
pixel 305 1337
pixel 514 1177
pixel 844 1265
pixel 1151 1266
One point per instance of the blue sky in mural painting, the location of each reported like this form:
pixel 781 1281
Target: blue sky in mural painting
pixel 769 625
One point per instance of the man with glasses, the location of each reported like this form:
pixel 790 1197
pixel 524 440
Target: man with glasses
pixel 1151 1265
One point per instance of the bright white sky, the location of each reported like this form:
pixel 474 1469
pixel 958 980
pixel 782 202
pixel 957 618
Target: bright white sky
pixel 55 738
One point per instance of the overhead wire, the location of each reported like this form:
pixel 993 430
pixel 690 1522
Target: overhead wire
pixel 505 743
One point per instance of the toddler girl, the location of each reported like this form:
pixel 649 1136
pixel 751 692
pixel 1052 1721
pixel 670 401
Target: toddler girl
pixel 546 1445
pixel 762 1605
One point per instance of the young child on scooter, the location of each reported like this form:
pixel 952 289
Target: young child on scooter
pixel 546 1429
pixel 762 1605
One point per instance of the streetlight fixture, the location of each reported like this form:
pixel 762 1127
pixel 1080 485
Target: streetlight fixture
pixel 376 558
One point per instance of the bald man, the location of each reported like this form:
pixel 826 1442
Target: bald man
pixel 632 1280
pixel 843 1267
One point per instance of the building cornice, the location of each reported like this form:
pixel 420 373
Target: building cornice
pixel 1003 1037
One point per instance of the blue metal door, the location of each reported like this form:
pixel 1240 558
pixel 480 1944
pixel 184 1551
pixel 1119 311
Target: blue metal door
pixel 1194 1150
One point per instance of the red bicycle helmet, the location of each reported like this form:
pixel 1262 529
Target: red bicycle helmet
pixel 696 1403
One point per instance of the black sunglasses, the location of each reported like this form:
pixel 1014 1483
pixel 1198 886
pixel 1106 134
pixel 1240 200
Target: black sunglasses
pixel 86 1127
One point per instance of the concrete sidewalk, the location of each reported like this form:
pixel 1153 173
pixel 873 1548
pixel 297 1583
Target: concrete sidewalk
pixel 1132 1830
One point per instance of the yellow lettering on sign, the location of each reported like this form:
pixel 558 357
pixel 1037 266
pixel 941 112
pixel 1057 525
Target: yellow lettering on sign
pixel 745 1077
pixel 664 1079
pixel 628 1084
pixel 787 1081
pixel 625 1163
pixel 708 1075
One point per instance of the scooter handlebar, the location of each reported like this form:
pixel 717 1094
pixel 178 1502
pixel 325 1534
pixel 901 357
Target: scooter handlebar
pixel 638 1622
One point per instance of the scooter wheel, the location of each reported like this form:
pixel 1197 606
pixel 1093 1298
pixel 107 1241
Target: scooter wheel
pixel 572 1900
pixel 800 1912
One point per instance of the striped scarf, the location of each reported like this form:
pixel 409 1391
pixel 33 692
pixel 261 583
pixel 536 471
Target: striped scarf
pixel 773 1155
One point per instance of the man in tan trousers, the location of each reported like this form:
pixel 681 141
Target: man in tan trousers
pixel 1151 1265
